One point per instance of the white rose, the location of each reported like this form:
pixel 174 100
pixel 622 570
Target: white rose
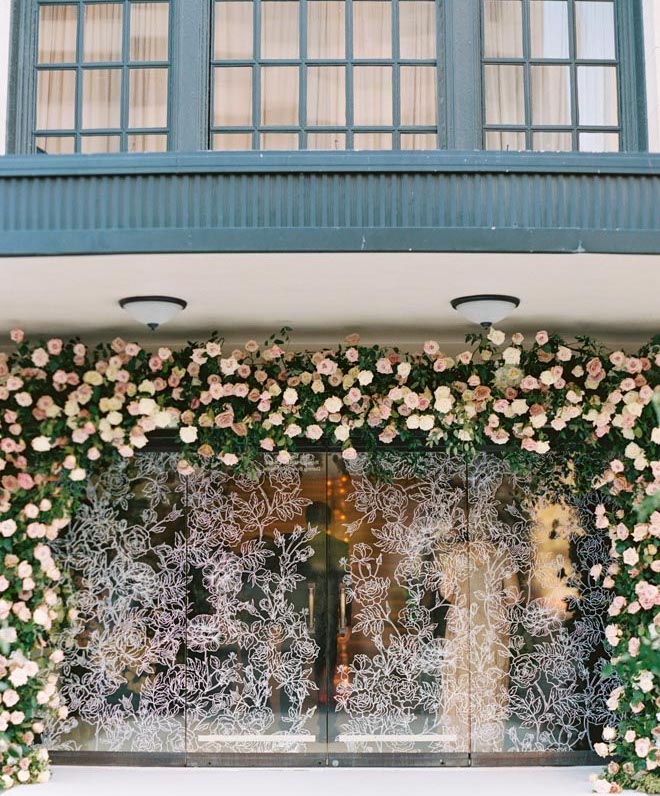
pixel 147 406
pixel 293 430
pixel 403 370
pixel 495 336
pixel 601 749
pixel 18 677
pixel 426 422
pixel 365 377
pixel 8 528
pixel 78 474
pixel 519 406
pixel 41 444
pixel 333 404
pixel 290 396
pixel 609 733
pixel 342 433
pixel 188 434
pixel 511 356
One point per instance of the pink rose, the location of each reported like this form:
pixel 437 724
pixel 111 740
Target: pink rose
pixel 542 337
pixel 54 346
pixel 40 357
pixel 384 366
pixel 17 335
pixel 155 363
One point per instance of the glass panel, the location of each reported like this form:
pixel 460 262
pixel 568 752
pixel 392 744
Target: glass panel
pixel 599 142
pixel 372 29
pixel 101 109
pixel 126 552
pixel 505 140
pixel 326 96
pixel 419 141
pixel 150 31
pixel 417 31
pixel 147 98
pixel 505 99
pixel 232 141
pixel 372 92
pixel 597 95
pixel 279 95
pixel 551 94
pixel 548 21
pixel 551 141
pixel 58 34
pixel 102 34
pixel 257 620
pixel 418 95
pixel 99 144
pixel 279 29
pixel 232 96
pixel 56 99
pixel 56 145
pixel 374 141
pixel 397 581
pixel 326 141
pixel 326 31
pixel 594 23
pixel 147 143
pixel 279 141
pixel 536 652
pixel 503 29
pixel 233 30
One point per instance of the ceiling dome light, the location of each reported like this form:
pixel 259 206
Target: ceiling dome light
pixel 152 311
pixel 485 309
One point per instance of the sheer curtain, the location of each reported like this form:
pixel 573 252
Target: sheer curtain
pixel 56 89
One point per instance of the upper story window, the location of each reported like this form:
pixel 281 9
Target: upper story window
pixel 94 76
pixel 324 74
pixel 550 75
pixel 102 76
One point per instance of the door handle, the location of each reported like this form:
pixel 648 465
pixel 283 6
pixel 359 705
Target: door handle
pixel 311 592
pixel 342 609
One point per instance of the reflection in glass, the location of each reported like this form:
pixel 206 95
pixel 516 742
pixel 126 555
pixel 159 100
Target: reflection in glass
pixel 505 97
pixel 58 33
pixel 597 95
pixel 548 22
pixel 503 36
pixel 551 95
pixel 594 28
pixel 233 29
pixel 102 33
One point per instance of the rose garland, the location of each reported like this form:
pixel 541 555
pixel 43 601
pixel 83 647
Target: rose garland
pixel 66 410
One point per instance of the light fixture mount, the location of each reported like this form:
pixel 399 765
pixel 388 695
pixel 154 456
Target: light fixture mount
pixel 152 311
pixel 485 308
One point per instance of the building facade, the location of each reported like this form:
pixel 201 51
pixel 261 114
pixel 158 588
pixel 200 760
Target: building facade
pixel 306 614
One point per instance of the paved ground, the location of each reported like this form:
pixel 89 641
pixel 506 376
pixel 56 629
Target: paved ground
pixel 89 781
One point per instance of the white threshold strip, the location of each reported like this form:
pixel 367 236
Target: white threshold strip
pixel 274 739
pixel 395 738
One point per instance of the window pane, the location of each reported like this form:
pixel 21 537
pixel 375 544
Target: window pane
pixel 503 29
pixel 326 141
pixel 419 141
pixel 594 24
pixel 56 99
pixel 599 142
pixel 326 31
pixel 597 95
pixel 102 34
pixel 326 96
pixel 552 142
pixel 227 142
pixel 372 29
pixel 505 140
pixel 279 29
pixel 551 94
pixel 57 34
pixel 232 96
pixel 417 29
pixel 150 31
pixel 147 98
pixel 372 92
pixel 281 141
pixel 56 145
pixel 372 141
pixel 505 99
pixel 99 144
pixel 101 107
pixel 548 28
pixel 147 143
pixel 418 95
pixel 279 95
pixel 233 30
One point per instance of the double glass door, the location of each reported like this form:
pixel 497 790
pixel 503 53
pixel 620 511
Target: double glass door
pixel 309 614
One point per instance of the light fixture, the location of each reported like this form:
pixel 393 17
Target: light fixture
pixel 485 309
pixel 152 310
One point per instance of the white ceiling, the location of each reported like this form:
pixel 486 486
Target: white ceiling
pixel 393 298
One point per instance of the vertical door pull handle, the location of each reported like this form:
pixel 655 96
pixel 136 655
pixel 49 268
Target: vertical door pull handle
pixel 342 609
pixel 311 589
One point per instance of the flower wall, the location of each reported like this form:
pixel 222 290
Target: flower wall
pixel 66 411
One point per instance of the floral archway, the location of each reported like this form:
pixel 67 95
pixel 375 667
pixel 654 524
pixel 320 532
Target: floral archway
pixel 66 411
